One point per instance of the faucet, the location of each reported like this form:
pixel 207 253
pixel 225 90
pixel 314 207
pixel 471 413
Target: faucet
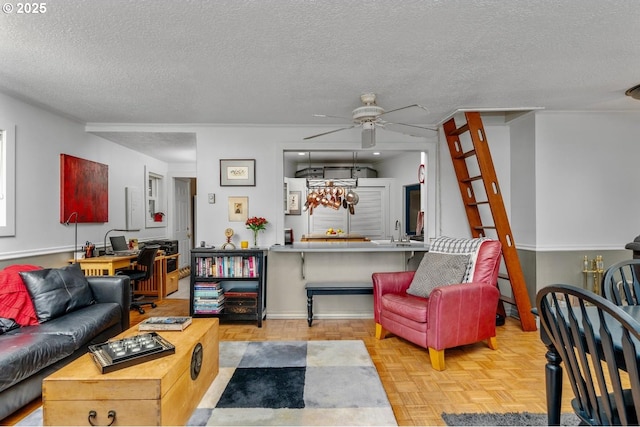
pixel 399 230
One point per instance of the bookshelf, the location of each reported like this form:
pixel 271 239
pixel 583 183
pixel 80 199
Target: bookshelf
pixel 228 284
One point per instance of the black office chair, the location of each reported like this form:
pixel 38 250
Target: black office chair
pixel 597 341
pixel 143 270
pixel 620 283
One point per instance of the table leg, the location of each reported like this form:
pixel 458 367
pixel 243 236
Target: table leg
pixel 309 308
pixel 553 378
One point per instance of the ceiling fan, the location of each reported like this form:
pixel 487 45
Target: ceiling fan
pixel 369 117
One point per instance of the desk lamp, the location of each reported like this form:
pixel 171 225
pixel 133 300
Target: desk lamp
pixel 75 248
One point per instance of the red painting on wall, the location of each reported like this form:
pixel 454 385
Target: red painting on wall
pixel 84 188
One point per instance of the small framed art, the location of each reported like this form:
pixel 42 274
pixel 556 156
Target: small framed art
pixel 293 202
pixel 237 172
pixel 238 209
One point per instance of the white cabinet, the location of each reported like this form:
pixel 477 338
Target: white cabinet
pixel 370 218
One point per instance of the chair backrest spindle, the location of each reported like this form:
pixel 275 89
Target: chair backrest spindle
pixel 620 283
pixel 596 340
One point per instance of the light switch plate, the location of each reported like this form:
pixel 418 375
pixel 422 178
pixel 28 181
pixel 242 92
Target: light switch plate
pixel 212 198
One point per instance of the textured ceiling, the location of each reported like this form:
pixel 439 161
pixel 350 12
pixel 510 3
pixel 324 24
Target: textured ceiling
pixel 280 62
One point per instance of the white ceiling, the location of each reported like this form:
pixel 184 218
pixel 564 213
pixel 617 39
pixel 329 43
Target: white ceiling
pixel 281 61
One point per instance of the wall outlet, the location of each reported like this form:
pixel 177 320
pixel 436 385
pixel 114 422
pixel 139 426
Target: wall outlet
pixel 212 198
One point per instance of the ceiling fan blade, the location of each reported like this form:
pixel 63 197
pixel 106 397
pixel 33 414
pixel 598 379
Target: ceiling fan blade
pixel 435 129
pixel 331 131
pixel 404 108
pixel 332 117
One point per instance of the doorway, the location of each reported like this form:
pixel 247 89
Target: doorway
pixel 184 190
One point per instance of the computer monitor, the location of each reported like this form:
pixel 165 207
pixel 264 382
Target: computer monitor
pixel 119 243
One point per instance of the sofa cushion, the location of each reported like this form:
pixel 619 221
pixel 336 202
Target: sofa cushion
pixel 7 325
pixel 407 306
pixel 84 324
pixel 453 245
pixel 436 270
pixel 57 291
pixel 25 352
pixel 15 301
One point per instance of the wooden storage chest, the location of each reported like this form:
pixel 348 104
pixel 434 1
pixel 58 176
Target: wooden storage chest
pixel 158 392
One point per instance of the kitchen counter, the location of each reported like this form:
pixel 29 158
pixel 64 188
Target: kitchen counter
pixel 292 267
pixel 342 246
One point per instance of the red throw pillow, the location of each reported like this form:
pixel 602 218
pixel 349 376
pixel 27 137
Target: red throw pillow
pixel 15 301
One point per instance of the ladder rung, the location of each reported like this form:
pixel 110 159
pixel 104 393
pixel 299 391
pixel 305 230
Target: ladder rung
pixel 462 129
pixel 478 203
pixel 508 300
pixel 503 276
pixel 473 178
pixel 485 227
pixel 469 153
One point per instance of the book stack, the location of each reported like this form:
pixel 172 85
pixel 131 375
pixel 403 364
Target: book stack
pixel 208 298
pixel 164 324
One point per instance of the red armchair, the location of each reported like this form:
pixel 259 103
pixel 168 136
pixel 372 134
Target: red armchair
pixel 451 316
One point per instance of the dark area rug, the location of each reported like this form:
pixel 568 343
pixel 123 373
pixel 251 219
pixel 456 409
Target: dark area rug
pixel 507 419
pixel 264 388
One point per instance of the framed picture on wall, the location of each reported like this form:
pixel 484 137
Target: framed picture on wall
pixel 293 202
pixel 84 190
pixel 237 172
pixel 238 209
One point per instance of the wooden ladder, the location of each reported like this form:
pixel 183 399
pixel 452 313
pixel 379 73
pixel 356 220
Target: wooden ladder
pixel 484 179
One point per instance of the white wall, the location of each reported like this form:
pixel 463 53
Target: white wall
pixel 580 193
pixel 452 217
pixel 523 182
pixel 265 144
pixel 586 180
pixel 41 137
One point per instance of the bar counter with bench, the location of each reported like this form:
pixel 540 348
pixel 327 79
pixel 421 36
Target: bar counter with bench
pixel 333 268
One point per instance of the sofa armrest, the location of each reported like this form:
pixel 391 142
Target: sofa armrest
pixel 113 289
pixel 462 314
pixel 389 283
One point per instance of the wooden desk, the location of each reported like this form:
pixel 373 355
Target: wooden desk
pixel 105 265
pixel 160 284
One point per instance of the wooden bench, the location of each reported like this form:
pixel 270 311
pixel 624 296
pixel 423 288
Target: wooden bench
pixel 334 288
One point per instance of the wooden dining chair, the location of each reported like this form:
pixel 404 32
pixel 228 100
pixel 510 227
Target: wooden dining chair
pixel 598 343
pixel 620 283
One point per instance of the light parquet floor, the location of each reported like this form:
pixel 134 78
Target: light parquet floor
pixel 476 379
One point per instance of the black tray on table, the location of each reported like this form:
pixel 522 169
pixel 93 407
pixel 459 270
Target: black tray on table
pixel 118 354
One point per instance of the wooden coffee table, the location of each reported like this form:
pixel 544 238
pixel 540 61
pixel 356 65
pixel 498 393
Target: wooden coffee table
pixel 157 392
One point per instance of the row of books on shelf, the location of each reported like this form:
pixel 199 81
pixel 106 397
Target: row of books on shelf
pixel 227 266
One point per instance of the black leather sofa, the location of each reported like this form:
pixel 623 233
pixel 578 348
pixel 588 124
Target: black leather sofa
pixel 31 353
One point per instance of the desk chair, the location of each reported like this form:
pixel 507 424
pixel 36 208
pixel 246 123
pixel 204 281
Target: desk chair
pixel 598 343
pixel 142 270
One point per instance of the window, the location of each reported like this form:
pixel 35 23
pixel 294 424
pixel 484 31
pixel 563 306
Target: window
pixel 7 181
pixel 155 216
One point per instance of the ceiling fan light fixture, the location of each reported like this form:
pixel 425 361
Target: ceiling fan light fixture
pixel 368 134
pixel 634 92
